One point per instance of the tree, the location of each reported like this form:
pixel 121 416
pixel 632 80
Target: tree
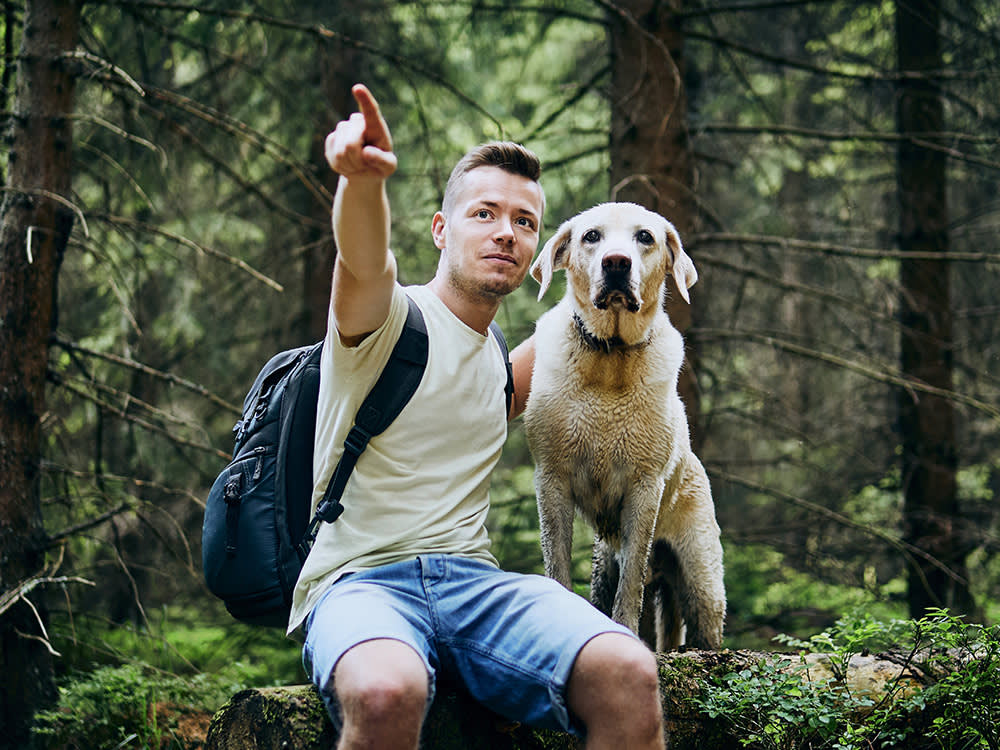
pixel 35 222
pixel 652 162
pixel 926 419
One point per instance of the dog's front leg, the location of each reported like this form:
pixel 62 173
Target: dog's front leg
pixel 638 522
pixel 555 516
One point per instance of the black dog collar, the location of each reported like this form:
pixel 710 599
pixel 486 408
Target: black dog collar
pixel 598 344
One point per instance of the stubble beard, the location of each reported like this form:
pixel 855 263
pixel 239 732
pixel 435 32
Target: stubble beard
pixel 487 290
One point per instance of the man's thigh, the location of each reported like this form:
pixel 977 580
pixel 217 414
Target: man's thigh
pixel 512 639
pixel 384 604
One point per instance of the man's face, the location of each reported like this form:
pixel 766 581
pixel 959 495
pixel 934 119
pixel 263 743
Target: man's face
pixel 491 233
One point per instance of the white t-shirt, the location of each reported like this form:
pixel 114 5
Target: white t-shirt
pixel 422 486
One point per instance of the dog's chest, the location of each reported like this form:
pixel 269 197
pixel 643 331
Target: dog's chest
pixel 607 425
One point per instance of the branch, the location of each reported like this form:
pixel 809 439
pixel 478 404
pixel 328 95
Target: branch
pixel 21 590
pixel 57 198
pixel 54 468
pixel 145 424
pixel 319 31
pixel 100 121
pixel 881 374
pixel 182 240
pixel 147 370
pixel 745 7
pixel 59 536
pixel 788 243
pixel 224 167
pixel 909 551
pixel 240 129
pixel 870 77
pixel 837 135
pixel 790 286
pixel 106 65
pixel 121 395
pixel 918 139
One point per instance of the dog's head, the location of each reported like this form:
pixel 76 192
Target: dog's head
pixel 617 257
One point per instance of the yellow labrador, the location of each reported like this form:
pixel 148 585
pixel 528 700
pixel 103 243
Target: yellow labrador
pixel 608 431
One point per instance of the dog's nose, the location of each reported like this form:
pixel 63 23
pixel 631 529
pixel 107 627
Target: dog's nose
pixel 616 263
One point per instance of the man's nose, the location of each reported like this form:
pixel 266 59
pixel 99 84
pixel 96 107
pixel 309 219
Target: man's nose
pixel 504 232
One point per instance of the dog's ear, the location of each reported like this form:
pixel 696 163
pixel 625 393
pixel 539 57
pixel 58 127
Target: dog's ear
pixel 553 257
pixel 682 267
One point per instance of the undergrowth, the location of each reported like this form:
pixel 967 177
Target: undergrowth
pixel 945 694
pixel 132 706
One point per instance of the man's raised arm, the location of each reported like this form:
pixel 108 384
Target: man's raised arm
pixel 360 151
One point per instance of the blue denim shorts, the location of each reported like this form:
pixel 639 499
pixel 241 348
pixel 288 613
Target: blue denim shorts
pixel 510 639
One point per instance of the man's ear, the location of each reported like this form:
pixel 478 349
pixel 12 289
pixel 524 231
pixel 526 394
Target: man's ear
pixel 681 266
pixel 554 255
pixel 437 230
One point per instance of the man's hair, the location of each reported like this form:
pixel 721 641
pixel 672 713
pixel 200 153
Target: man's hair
pixel 507 155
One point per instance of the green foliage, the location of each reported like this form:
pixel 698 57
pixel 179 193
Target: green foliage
pixel 157 686
pixel 773 706
pixel 133 707
pixel 180 641
pixel 779 705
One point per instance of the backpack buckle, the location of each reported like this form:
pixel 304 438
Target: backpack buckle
pixel 231 490
pixel 356 441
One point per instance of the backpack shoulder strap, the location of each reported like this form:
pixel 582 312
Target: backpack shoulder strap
pixel 502 343
pixel 395 386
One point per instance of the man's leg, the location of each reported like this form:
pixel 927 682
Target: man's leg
pixel 369 653
pixel 382 689
pixel 614 689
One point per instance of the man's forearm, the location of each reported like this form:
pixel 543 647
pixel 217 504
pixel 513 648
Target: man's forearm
pixel 361 227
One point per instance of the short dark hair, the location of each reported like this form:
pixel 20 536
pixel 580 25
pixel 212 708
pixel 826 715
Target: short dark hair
pixel 507 155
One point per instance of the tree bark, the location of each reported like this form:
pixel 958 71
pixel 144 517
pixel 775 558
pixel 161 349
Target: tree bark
pixel 35 223
pixel 270 719
pixel 927 422
pixel 652 163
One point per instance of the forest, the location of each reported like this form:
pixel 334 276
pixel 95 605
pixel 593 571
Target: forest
pixel 831 166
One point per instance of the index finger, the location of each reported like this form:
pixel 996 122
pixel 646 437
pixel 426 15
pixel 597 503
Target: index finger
pixel 376 129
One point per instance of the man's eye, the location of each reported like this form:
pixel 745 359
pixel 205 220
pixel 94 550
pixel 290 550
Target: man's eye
pixel 524 221
pixel 591 236
pixel 482 214
pixel 644 237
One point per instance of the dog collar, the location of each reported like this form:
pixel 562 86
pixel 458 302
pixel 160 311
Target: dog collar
pixel 598 344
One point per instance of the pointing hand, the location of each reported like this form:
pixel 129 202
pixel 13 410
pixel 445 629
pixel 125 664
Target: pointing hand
pixel 361 146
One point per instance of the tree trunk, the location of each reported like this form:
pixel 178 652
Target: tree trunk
pixel 927 422
pixel 33 234
pixel 270 719
pixel 651 159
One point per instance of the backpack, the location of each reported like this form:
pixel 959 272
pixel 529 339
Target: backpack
pixel 257 530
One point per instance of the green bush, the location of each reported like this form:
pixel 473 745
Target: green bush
pixel 772 705
pixel 133 707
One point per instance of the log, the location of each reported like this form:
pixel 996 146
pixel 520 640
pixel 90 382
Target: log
pixel 294 717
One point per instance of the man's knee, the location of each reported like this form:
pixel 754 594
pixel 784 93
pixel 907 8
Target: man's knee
pixel 615 681
pixel 381 682
pixel 617 659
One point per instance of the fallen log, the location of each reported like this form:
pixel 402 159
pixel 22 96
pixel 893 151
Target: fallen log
pixel 294 717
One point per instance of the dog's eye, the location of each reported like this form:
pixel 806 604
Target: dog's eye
pixel 591 236
pixel 644 237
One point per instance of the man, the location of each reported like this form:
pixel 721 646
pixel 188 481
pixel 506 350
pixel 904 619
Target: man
pixel 402 588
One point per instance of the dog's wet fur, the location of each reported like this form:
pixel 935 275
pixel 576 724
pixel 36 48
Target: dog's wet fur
pixel 608 431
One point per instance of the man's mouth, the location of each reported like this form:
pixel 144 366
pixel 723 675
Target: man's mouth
pixel 502 258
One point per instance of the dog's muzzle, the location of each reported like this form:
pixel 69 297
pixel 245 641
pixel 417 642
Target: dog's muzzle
pixel 616 284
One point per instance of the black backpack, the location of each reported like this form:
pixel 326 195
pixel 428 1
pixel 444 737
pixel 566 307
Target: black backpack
pixel 257 531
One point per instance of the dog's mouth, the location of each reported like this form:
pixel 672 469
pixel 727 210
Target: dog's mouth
pixel 614 292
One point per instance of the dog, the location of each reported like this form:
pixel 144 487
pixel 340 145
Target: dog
pixel 608 431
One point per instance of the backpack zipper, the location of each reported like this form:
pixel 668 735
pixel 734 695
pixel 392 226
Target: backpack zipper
pixel 258 469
